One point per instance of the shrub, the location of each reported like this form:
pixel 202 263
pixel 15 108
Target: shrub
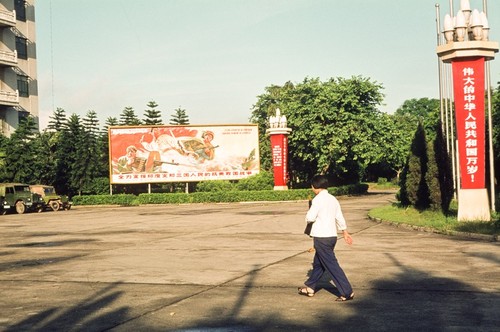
pixel 381 181
pixel 261 181
pixel 97 186
pixel 214 186
pixel 120 199
pixel 214 197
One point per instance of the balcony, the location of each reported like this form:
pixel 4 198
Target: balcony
pixel 9 98
pixel 7 19
pixel 8 58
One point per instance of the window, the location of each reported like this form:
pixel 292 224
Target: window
pixel 23 86
pixel 22 48
pixel 20 8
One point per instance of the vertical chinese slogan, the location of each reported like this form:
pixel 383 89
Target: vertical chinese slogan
pixel 468 78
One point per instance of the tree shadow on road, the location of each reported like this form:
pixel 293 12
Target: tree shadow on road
pixel 79 316
pixel 411 300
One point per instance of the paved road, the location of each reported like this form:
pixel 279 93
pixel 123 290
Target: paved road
pixel 235 267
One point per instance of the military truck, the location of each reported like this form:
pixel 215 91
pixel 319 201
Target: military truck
pixel 51 198
pixel 18 197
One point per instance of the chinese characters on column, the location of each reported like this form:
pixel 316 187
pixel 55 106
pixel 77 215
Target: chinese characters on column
pixel 279 146
pixel 469 109
pixel 470 122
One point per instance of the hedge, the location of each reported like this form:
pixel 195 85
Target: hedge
pixel 214 197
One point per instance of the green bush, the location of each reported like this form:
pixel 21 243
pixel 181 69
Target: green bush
pixel 381 181
pixel 98 186
pixel 120 199
pixel 214 197
pixel 261 181
pixel 214 186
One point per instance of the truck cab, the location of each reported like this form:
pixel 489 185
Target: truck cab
pixel 18 197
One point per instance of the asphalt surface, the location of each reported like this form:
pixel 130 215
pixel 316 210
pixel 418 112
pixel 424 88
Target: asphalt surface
pixel 236 267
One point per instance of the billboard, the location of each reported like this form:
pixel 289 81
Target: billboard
pixel 155 154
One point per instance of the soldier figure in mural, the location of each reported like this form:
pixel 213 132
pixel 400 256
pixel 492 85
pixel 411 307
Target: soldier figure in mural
pixel 195 149
pixel 131 163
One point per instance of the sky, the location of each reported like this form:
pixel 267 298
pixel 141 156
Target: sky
pixel 213 58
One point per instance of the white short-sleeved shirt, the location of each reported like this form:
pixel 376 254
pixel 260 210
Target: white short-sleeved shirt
pixel 327 215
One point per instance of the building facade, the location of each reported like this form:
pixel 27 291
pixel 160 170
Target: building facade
pixel 18 75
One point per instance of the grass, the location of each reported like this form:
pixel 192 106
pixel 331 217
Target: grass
pixel 435 220
pixel 382 185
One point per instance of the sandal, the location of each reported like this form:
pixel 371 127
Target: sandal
pixel 305 291
pixel 343 298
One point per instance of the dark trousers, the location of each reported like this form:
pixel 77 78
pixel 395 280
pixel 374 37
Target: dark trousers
pixel 325 260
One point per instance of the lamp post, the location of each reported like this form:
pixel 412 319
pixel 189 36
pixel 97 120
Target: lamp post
pixel 468 49
pixel 279 149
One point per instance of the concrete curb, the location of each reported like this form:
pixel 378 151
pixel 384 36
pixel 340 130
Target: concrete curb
pixel 464 235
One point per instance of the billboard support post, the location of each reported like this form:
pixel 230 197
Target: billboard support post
pixel 279 149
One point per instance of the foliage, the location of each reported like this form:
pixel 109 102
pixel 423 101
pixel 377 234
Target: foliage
pixel 495 115
pixel 97 186
pixel 432 220
pixel 152 116
pixel 129 118
pixel 20 154
pixel 57 120
pixel 415 190
pixel 3 144
pixel 336 127
pixel 427 181
pixel 45 147
pixel 261 181
pixel 120 199
pixel 214 186
pixel 337 130
pixel 432 179
pixel 445 174
pixel 179 117
pixel 423 111
pixel 213 197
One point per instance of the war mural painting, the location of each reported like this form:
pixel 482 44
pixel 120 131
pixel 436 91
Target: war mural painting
pixel 154 154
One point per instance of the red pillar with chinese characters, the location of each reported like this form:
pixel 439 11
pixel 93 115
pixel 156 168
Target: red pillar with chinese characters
pixel 279 149
pixel 468 85
pixel 467 59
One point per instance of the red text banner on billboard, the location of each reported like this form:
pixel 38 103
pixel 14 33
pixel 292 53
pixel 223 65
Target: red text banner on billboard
pixel 468 85
pixel 155 154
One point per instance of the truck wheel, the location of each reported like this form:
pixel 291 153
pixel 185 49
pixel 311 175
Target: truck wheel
pixel 20 207
pixel 55 205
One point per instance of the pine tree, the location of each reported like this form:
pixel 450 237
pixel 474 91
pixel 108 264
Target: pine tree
pixel 58 120
pixel 432 178
pixel 152 116
pixel 110 122
pixel 416 189
pixel 179 117
pixel 3 143
pixel 20 161
pixel 71 160
pixel 91 149
pixel 45 149
pixel 104 144
pixel 445 173
pixel 129 118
